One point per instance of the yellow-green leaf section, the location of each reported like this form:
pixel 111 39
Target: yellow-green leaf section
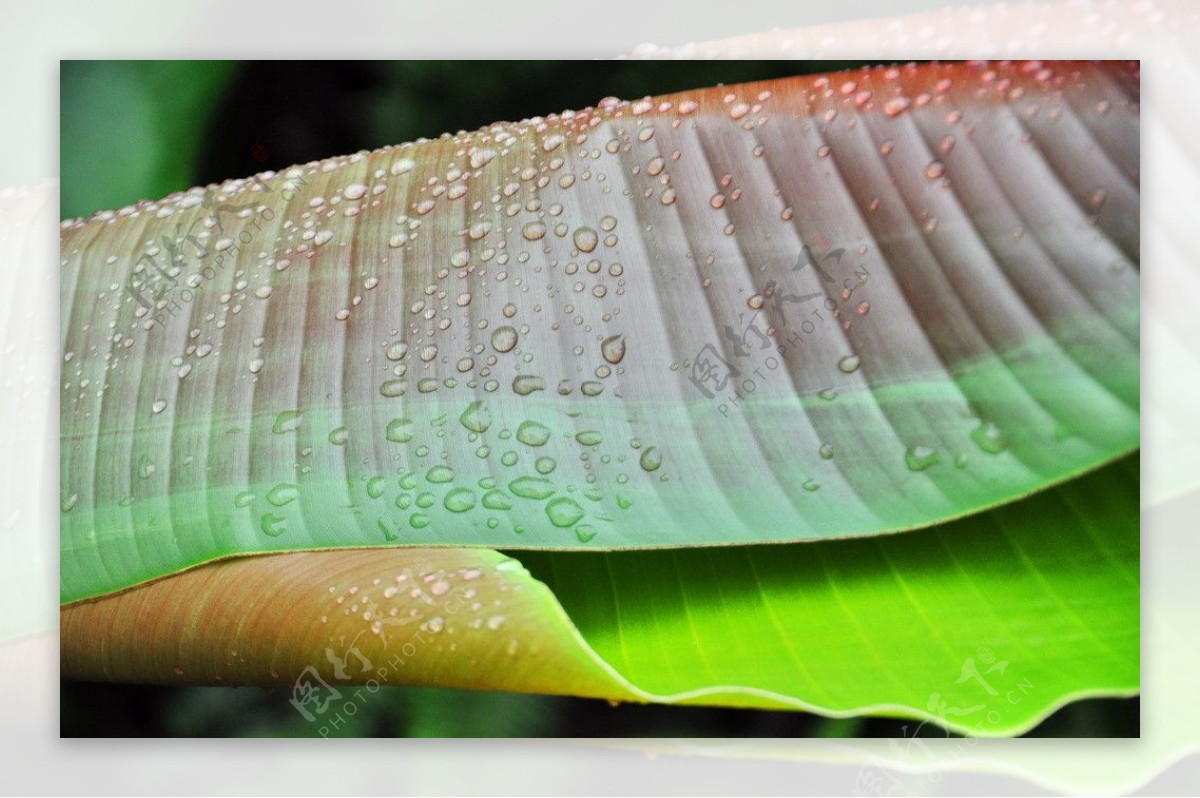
pixel 983 625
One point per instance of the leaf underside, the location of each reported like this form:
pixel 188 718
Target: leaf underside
pixel 803 312
pixel 983 625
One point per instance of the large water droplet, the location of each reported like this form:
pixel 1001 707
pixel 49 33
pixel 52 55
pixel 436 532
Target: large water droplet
pixel 459 500
pixel 525 384
pixel 272 524
pixel 481 157
pixel 287 421
pixel 392 388
pixel 589 437
pixel 531 433
pixel 613 348
pixel 531 488
pixel 586 239
pixel 534 231
pixel 476 417
pixel 496 500
pixel 504 338
pixel 564 512
pixel 282 494
pixel 440 474
pixel 399 430
pixel 396 350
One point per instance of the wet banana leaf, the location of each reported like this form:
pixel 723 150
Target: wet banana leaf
pixel 784 313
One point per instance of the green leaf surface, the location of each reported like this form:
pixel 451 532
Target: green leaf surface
pixel 984 625
pixel 794 311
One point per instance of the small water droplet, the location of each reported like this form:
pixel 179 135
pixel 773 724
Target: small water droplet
pixel 919 458
pixel 158 406
pixel 896 106
pixel 826 452
pixel 376 486
pixel 545 465
pixel 339 436
pixel 989 438
pixel 934 170
pixel 534 231
pixel 418 520
pixel 849 364
pixel 651 459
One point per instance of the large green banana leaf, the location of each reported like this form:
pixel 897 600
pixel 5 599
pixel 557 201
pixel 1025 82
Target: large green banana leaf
pixel 775 313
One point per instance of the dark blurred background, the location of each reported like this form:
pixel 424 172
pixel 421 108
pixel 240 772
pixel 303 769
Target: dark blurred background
pixel 134 130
